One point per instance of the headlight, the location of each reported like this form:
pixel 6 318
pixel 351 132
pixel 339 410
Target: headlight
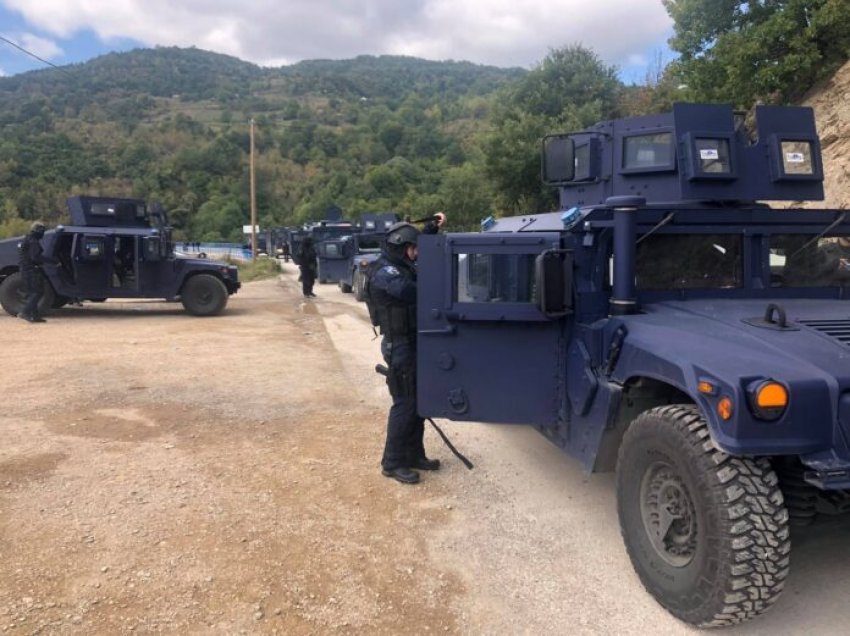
pixel 768 399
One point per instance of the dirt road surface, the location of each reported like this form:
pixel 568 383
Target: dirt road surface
pixel 166 474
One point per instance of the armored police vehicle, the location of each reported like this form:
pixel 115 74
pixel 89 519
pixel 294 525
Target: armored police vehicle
pixel 668 326
pixel 117 248
pixel 363 248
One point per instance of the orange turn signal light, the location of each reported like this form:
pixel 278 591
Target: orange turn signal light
pixel 725 408
pixel 706 388
pixel 772 395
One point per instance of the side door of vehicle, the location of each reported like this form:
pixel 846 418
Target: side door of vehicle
pixel 92 268
pixel 489 347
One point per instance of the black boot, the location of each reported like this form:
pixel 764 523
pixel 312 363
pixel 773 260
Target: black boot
pixel 404 475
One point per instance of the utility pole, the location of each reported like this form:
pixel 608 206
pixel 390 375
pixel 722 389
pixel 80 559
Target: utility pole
pixel 253 200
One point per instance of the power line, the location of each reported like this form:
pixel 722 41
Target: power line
pixel 31 54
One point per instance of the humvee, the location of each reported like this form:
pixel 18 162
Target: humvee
pixel 666 325
pixel 117 248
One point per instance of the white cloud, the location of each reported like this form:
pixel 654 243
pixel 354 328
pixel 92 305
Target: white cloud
pixel 3 73
pixel 501 32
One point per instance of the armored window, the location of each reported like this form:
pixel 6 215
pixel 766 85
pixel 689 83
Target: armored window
pixel 331 250
pixel 689 261
pixel 713 156
pixel 582 161
pixel 801 260
pixel 494 278
pixel 797 157
pixel 648 152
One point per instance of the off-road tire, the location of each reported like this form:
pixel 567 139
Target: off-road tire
pixel 359 287
pixel 13 297
pixel 727 559
pixel 204 295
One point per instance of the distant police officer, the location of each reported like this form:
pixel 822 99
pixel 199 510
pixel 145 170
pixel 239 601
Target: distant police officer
pixel 30 260
pixel 307 265
pixel 392 301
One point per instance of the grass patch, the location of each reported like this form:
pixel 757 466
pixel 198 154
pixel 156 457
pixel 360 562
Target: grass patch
pixel 260 269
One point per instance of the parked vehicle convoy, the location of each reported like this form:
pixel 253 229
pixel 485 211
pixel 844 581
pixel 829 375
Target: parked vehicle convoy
pixel 665 325
pixel 117 248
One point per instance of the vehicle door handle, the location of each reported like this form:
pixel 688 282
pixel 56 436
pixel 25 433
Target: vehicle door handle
pixel 445 331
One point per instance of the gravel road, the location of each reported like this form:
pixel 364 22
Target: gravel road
pixel 162 473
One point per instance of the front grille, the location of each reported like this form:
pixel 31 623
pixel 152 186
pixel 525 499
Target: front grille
pixel 838 329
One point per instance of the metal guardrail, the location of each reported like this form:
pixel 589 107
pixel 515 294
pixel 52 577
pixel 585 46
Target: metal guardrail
pixel 214 250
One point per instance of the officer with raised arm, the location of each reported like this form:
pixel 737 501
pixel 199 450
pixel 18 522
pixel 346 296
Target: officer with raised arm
pixel 391 295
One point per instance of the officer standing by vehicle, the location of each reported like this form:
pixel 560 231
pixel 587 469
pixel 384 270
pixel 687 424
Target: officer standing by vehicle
pixel 307 265
pixel 391 297
pixel 30 259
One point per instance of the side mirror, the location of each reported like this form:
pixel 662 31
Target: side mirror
pixel 559 162
pixel 151 248
pixel 553 278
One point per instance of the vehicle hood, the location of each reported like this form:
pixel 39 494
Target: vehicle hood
pixel 729 338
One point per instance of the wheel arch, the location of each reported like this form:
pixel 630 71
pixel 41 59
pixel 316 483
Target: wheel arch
pixel 7 271
pixel 639 394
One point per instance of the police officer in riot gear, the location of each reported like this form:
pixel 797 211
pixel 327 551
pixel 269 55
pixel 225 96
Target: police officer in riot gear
pixel 307 265
pixel 391 296
pixel 30 260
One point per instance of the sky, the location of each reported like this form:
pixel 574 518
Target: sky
pixel 630 34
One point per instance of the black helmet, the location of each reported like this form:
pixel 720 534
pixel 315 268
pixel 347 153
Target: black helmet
pixel 402 233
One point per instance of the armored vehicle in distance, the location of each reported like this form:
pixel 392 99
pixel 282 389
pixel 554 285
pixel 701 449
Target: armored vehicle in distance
pixel 117 248
pixel 665 325
pixel 363 249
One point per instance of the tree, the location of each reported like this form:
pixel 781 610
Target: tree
pixel 569 90
pixel 762 50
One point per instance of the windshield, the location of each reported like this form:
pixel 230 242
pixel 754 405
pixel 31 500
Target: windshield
pixel 689 261
pixel 807 261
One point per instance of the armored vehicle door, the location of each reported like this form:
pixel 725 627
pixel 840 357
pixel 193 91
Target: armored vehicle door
pixel 486 349
pixel 124 264
pixel 91 265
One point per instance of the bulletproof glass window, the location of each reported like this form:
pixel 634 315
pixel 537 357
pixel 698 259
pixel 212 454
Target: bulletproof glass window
pixel 331 250
pixel 797 157
pixel 648 152
pixel 582 161
pixel 368 246
pixel 689 261
pixel 809 261
pixel 494 278
pixel 93 248
pixel 713 155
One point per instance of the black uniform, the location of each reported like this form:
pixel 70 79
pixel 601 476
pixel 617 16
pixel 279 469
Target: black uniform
pixel 30 259
pixel 392 298
pixel 307 265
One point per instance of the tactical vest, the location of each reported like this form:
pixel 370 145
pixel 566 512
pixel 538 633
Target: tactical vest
pixel 25 261
pixel 392 317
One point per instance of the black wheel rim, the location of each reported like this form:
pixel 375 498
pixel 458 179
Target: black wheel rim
pixel 668 514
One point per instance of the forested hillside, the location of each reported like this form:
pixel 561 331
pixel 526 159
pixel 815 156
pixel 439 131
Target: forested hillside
pixel 173 124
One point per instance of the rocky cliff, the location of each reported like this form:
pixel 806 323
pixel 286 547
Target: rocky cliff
pixel 831 102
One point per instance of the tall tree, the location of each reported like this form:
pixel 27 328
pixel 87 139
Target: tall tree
pixel 761 50
pixel 569 90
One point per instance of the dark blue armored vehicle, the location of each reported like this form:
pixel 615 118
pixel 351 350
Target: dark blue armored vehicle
pixel 363 249
pixel 666 325
pixel 117 248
